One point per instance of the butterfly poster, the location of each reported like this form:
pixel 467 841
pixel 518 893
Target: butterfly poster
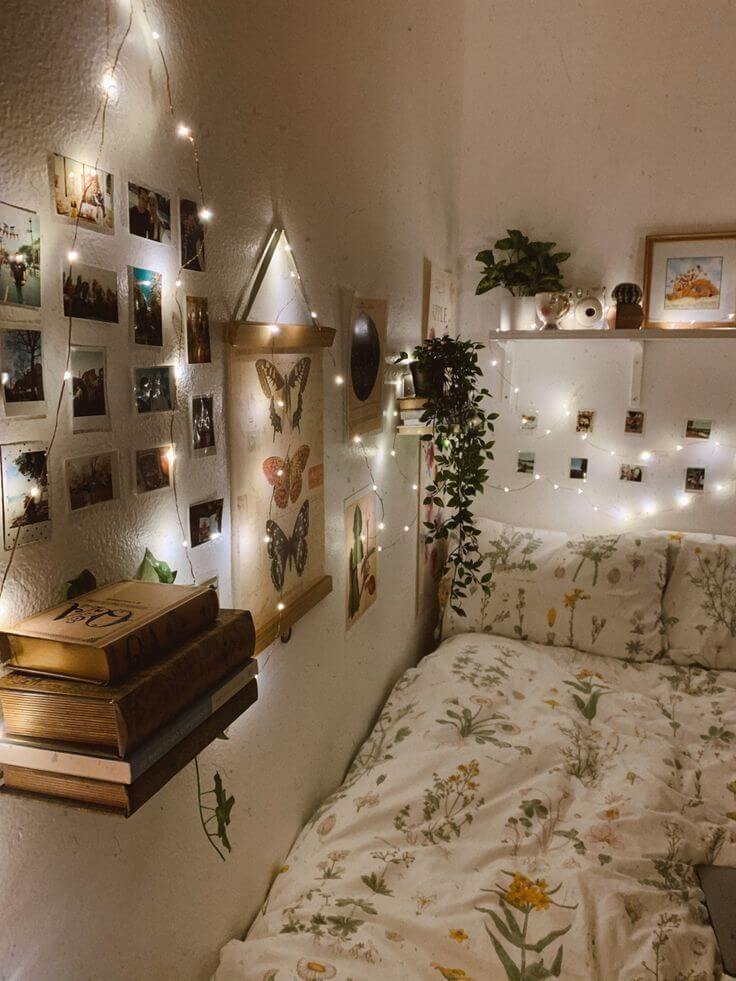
pixel 365 353
pixel 275 421
pixel 360 555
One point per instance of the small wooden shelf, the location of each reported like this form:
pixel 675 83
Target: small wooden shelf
pixel 413 430
pixel 267 632
pixel 646 334
pixel 254 338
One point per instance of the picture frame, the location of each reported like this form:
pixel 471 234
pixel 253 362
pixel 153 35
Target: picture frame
pixel 361 565
pixel 365 353
pixel 690 281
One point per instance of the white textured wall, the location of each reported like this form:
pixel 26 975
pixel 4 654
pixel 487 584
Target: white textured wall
pixel 341 119
pixel 594 125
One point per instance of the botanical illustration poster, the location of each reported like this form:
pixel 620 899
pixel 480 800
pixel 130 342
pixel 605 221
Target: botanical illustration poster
pixel 440 302
pixel 20 257
pixel 278 479
pixel 691 282
pixel 360 555
pixel 92 479
pixel 430 555
pixel 89 394
pixel 83 193
pixel 26 513
pixel 21 361
pixel 145 303
pixel 365 352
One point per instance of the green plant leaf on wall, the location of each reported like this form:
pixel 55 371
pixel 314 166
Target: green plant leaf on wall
pixel 152 569
pixel 83 583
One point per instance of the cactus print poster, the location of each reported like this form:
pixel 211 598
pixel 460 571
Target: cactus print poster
pixel 360 555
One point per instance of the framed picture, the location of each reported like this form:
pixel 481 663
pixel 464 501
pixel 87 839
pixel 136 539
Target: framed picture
pixel 440 301
pixel 89 389
pixel 690 280
pixel 26 515
pixel 149 214
pixel 155 389
pixel 203 425
pixel 153 468
pixel 365 353
pixel 83 192
pixel 90 293
pixel 205 521
pixel 360 555
pixel 198 331
pixel 698 428
pixel 191 230
pixel 145 306
pixel 20 257
pixel 634 423
pixel 92 479
pixel 21 359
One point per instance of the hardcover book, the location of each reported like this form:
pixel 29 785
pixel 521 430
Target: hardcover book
pixel 110 632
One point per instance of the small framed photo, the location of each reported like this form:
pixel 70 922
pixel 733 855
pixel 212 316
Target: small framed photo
pixel 525 462
pixel 145 286
pixel 634 422
pixel 203 425
pixel 153 468
pixel 698 428
pixel 26 516
pixel 84 194
pixel 584 422
pixel 92 479
pixel 198 331
pixel 690 280
pixel 695 479
pixel 191 230
pixel 90 293
pixel 89 389
pixel 20 257
pixel 21 356
pixel 149 214
pixel 155 389
pixel 631 472
pixel 529 421
pixel 578 468
pixel 205 522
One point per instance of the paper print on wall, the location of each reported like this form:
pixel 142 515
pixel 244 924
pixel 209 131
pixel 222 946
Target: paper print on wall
pixel 529 421
pixel 631 472
pixel 84 192
pixel 89 389
pixel 430 555
pixel 525 462
pixel 693 283
pixel 155 389
pixel 152 468
pixel 698 428
pixel 585 420
pixel 149 214
pixel 695 479
pixel 203 425
pixel 198 331
pixel 634 422
pixel 288 550
pixel 21 360
pixel 286 476
pixel 365 351
pixel 145 306
pixel 20 257
pixel 26 514
pixel 192 236
pixel 440 302
pixel 90 293
pixel 690 280
pixel 91 479
pixel 285 389
pixel 360 555
pixel 578 468
pixel 205 522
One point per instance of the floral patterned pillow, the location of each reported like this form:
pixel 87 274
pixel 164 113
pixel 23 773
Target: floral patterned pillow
pixel 699 604
pixel 596 593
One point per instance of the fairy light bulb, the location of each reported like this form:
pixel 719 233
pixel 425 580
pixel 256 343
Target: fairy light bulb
pixel 67 375
pixel 580 490
pixel 177 283
pixel 171 455
pixel 415 487
pixel 406 527
pixel 339 380
pixel 547 432
pixel 682 500
pixel 516 391
pixel 183 130
pixel 72 255
pixel 280 606
pixel 679 447
pixel 4 378
pixel 155 35
pixel 537 476
pixel 109 85
pixel 506 490
pixel 357 440
pixel 267 539
pixel 555 486
pixel 35 492
pixel 645 455
pixel 612 453
pixel 206 214
pixel 381 525
pixel 393 452
pixel 380 548
pixel 375 487
pixel 313 314
pixel 494 363
pixel 274 329
pixel 583 435
pixel 279 472
pixel 184 543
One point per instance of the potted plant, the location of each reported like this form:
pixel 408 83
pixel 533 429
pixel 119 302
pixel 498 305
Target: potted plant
pixel 460 431
pixel 524 268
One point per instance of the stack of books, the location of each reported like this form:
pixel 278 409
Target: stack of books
pixel 112 693
pixel 411 411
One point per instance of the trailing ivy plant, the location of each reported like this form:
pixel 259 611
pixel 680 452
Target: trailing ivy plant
pixel 526 268
pixel 460 432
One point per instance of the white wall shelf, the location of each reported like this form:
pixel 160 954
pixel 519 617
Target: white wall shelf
pixel 646 334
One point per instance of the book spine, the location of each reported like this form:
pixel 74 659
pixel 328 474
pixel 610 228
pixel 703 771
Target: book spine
pixel 153 639
pixel 69 764
pixel 202 663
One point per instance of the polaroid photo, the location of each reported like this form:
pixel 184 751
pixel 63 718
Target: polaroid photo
pixel 191 231
pixel 149 214
pixel 631 472
pixel 698 428
pixel 83 193
pixel 529 421
pixel 695 479
pixel 198 331
pixel 146 315
pixel 155 389
pixel 20 257
pixel 205 522
pixel 21 363
pixel 92 479
pixel 634 422
pixel 89 389
pixel 525 462
pixel 26 515
pixel 203 425
pixel 90 293
pixel 153 468
pixel 578 468
pixel 584 422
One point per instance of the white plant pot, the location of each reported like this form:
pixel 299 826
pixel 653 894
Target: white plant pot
pixel 518 313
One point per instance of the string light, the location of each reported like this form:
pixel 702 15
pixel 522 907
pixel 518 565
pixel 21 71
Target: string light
pixel 184 131
pixel 357 440
pixel 339 380
pixel 155 35
pixel 267 539
pixel 110 86
pixel 274 329
pixel 280 606
pixel 177 283
pixel 205 214
pixel 381 525
pixel 170 455
pixel 645 455
pixel 67 375
pixel 72 255
pixel 406 527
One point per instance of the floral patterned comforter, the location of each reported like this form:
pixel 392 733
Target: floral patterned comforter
pixel 519 812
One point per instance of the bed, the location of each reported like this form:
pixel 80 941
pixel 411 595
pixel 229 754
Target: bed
pixel 521 810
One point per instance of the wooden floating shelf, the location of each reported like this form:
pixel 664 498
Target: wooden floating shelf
pixel 646 334
pixel 254 338
pixel 268 632
pixel 413 430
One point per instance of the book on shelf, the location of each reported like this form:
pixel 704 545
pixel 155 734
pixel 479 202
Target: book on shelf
pixel 110 632
pixel 96 763
pixel 412 420
pixel 127 798
pixel 411 403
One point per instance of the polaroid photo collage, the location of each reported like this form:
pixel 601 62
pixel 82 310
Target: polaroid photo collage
pixel 84 196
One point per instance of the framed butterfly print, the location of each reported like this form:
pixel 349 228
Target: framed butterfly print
pixel 365 353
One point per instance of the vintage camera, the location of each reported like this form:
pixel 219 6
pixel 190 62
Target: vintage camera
pixel 587 309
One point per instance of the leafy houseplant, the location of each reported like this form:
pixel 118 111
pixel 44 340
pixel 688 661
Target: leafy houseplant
pixel 460 427
pixel 526 268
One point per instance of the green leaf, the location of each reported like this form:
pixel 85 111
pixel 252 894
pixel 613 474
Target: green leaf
pixel 512 971
pixel 539 946
pixel 83 583
pixel 223 806
pixel 152 569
